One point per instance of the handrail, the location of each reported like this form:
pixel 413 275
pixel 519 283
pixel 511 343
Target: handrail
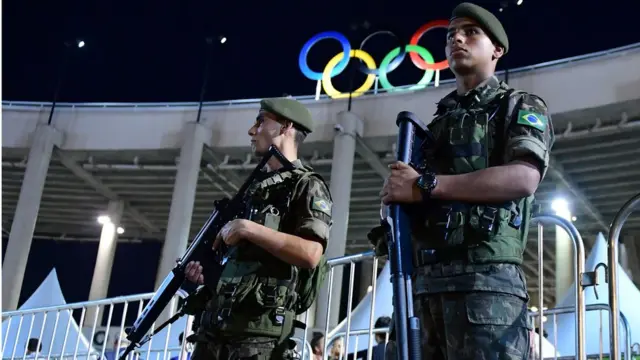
pixel 578 260
pixel 614 237
pixel 79 305
pixel 311 98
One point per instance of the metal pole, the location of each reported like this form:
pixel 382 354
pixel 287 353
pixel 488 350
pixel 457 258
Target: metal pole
pixel 578 259
pixel 352 72
pixel 205 76
pixel 504 8
pixel 614 237
pixel 60 79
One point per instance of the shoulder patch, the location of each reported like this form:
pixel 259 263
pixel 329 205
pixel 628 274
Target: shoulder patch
pixel 532 119
pixel 321 204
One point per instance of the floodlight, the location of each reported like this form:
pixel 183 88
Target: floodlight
pixel 104 219
pixel 560 205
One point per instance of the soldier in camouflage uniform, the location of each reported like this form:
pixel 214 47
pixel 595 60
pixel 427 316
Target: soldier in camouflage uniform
pixel 476 185
pixel 274 273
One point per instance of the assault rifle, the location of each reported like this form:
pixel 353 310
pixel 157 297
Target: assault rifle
pixel 212 261
pixel 412 136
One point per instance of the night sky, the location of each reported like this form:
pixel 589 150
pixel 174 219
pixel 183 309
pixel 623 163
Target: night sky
pixel 154 51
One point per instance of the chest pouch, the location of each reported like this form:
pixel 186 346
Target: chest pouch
pixel 498 219
pixel 270 204
pixel 445 223
pixel 469 142
pixel 237 281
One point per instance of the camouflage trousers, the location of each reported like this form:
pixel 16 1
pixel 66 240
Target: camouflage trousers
pixel 473 325
pixel 247 349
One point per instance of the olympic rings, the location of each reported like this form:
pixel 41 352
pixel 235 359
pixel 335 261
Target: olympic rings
pixel 302 59
pixel 331 66
pixel 417 61
pixel 420 57
pixel 393 64
pixel 423 54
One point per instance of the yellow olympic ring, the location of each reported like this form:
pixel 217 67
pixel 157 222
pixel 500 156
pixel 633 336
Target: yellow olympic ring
pixel 327 86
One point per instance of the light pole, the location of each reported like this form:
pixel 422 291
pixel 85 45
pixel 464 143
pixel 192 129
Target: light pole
pixel 507 14
pixel 205 75
pixel 356 27
pixel 69 45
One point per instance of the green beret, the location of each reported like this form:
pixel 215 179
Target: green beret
pixel 485 19
pixel 290 109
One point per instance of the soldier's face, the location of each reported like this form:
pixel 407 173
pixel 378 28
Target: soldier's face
pixel 469 48
pixel 265 132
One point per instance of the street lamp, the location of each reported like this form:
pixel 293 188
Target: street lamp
pixel 205 74
pixel 507 14
pixel 68 46
pixel 356 28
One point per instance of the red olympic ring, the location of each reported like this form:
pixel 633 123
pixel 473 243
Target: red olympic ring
pixel 415 58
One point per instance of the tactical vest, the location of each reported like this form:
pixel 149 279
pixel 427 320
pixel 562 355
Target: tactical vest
pixel 258 294
pixel 471 137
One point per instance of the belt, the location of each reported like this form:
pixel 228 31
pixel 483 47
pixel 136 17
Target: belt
pixel 442 255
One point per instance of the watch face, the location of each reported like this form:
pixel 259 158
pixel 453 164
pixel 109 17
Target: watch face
pixel 422 182
pixel 426 181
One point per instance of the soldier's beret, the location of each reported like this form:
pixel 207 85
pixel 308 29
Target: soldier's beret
pixel 290 109
pixel 485 19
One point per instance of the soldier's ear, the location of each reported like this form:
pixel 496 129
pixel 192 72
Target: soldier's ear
pixel 286 126
pixel 498 51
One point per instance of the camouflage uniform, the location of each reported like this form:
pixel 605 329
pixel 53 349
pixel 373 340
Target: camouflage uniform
pixel 469 288
pixel 251 315
pixel 473 304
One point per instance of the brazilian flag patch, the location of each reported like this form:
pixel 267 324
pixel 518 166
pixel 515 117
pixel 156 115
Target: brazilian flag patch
pixel 321 205
pixel 534 120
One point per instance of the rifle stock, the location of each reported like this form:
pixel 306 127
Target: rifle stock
pixel 412 133
pixel 212 261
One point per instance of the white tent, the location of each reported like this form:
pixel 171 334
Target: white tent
pixel 628 304
pixel 53 332
pixel 361 314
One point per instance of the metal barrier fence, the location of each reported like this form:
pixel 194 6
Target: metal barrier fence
pixel 614 237
pixel 593 307
pixel 579 259
pixel 71 340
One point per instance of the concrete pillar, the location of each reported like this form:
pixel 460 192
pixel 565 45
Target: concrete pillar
pixel 564 264
pixel 104 260
pixel 348 127
pixel 24 219
pixel 195 136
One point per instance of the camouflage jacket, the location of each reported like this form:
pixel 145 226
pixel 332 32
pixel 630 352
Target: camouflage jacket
pixel 527 132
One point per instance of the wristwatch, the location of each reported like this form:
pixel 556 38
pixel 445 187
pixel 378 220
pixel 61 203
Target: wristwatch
pixel 426 183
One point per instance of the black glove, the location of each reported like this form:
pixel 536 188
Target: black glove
pixel 378 238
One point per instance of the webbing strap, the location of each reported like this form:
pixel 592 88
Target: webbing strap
pixel 271 286
pixel 444 254
pixel 468 150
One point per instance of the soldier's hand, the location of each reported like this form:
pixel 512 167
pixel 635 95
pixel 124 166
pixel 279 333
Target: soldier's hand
pixel 400 186
pixel 232 232
pixel 193 272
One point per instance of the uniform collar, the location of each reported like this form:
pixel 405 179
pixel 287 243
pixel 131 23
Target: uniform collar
pixel 482 90
pixel 297 164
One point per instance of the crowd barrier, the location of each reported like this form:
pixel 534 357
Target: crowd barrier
pixel 614 237
pixel 77 346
